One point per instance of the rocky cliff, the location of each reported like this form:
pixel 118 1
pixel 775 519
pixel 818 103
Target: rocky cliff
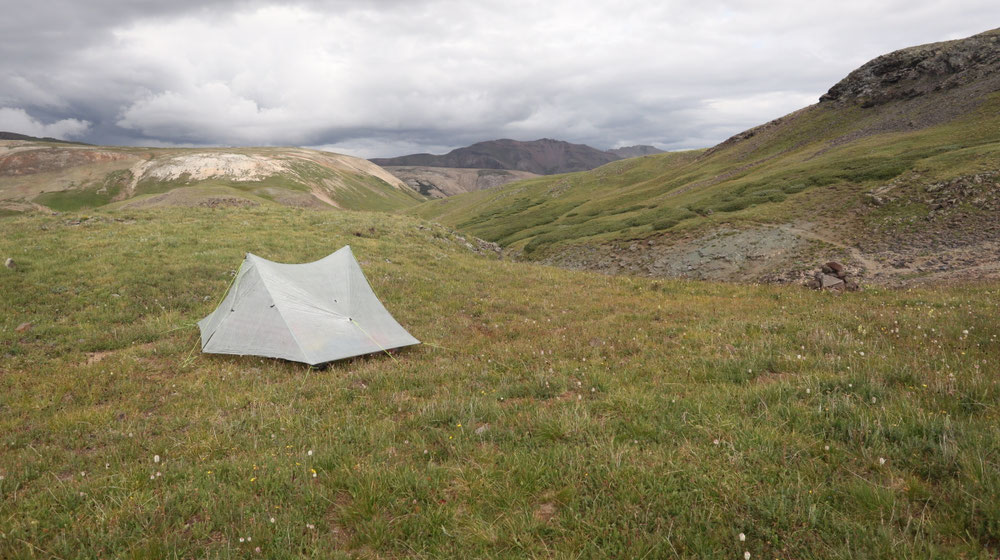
pixel 917 71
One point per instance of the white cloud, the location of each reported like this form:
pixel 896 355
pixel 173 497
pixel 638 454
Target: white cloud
pixel 13 119
pixel 427 75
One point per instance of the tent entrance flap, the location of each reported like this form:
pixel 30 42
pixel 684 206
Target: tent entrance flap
pixel 314 313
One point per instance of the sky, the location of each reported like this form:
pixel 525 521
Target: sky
pixel 392 77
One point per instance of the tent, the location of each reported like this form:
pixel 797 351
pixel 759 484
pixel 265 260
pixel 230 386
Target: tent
pixel 315 313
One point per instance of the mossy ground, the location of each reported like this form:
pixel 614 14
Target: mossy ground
pixel 552 413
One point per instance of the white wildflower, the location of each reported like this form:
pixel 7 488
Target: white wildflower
pixel 156 458
pixel 743 537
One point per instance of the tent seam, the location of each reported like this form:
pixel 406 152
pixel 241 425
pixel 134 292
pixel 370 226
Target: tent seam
pixel 283 320
pixel 234 285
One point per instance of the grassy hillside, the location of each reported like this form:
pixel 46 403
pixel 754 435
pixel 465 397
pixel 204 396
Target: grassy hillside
pixel 799 169
pixel 555 414
pixel 37 175
pixel 823 169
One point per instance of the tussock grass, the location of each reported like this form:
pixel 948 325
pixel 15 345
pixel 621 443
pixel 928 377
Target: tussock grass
pixel 557 413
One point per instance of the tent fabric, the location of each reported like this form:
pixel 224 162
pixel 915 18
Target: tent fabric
pixel 314 313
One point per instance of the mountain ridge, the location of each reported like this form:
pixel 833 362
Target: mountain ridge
pixel 544 156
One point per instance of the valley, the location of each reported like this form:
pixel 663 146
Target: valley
pixel 619 355
pixel 901 184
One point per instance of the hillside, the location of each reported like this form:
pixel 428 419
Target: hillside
pixel 635 151
pixel 541 157
pixel 894 172
pixel 16 136
pixel 555 414
pixel 439 182
pixel 44 175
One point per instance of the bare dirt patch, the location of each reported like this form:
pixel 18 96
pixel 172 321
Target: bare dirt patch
pixel 545 512
pixel 42 160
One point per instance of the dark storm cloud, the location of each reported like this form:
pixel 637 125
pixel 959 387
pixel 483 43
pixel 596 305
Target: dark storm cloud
pixel 385 78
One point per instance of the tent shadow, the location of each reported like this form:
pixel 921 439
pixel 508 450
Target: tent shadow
pixel 343 363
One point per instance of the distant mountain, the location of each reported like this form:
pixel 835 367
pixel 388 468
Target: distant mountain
pixel 542 157
pixel 16 136
pixel 439 182
pixel 635 151
pixel 39 175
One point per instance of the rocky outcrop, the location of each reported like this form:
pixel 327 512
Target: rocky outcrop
pixel 833 276
pixel 917 71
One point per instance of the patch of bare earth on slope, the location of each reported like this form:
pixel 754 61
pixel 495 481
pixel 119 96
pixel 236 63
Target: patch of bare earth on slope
pixel 934 231
pixel 48 159
pixel 951 244
pixel 727 253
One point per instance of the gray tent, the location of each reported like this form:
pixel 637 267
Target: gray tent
pixel 315 313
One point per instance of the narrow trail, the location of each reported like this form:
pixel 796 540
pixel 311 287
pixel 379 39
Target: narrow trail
pixel 870 266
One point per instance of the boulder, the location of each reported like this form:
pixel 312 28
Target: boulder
pixel 835 268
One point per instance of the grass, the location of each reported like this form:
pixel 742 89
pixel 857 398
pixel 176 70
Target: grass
pixel 89 197
pixel 552 413
pixel 801 168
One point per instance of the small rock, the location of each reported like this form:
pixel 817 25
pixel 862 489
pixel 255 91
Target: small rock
pixel 9 263
pixel 831 282
pixel 482 429
pixel 23 327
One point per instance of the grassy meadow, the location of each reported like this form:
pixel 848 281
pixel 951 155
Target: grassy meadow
pixel 552 413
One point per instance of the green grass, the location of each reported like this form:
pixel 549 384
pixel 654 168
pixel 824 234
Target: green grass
pixel 90 196
pixel 798 169
pixel 623 417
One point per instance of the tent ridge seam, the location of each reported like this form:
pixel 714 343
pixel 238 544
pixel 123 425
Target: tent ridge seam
pixel 305 354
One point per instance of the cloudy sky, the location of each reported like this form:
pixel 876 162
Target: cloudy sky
pixel 384 78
